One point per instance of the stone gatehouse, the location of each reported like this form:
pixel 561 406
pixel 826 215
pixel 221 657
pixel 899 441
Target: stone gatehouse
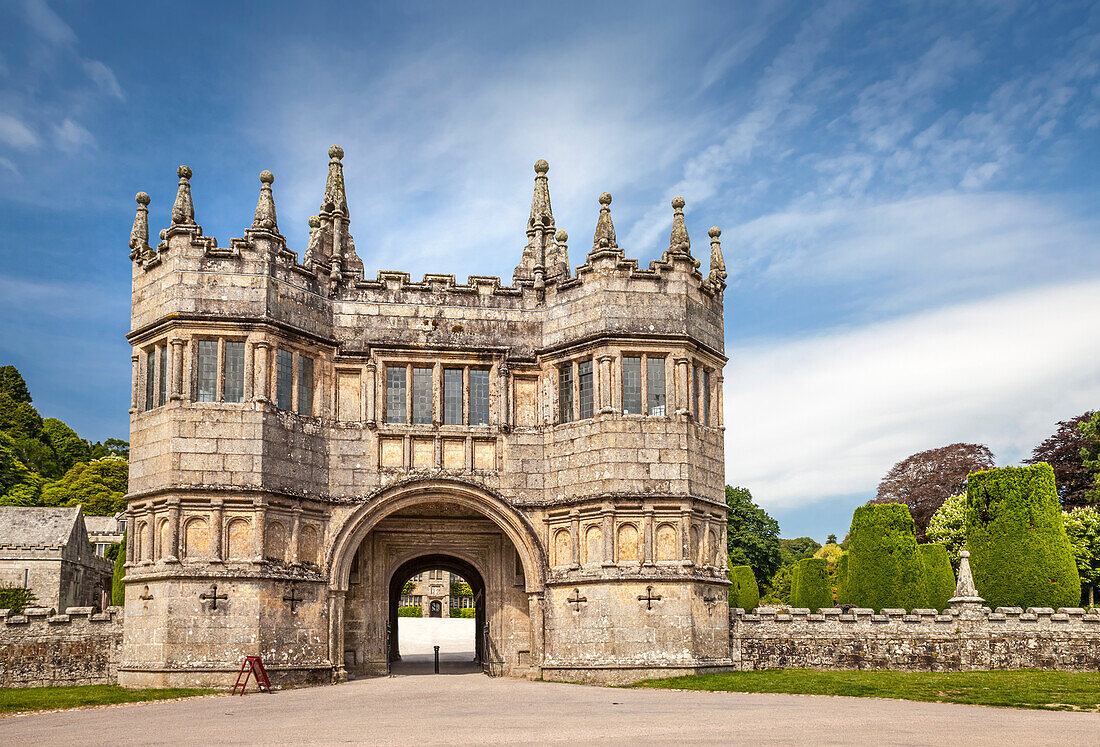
pixel 305 437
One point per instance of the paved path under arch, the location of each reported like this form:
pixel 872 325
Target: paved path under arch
pixel 473 709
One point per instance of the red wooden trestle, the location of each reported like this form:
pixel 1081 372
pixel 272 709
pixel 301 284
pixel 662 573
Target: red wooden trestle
pixel 252 665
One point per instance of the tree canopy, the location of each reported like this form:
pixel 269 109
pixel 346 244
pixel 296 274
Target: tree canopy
pixel 923 481
pixel 1066 451
pixel 752 536
pixel 13 385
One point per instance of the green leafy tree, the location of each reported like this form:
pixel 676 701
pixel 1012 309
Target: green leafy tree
pixel 99 486
pixel 948 526
pixel 830 553
pixel 752 536
pixel 940 576
pixel 1083 529
pixel 110 447
pixel 16 598
pixel 407 588
pixel 1090 455
pixel 831 540
pixel 794 550
pixel 1065 451
pixel 13 385
pixel 1019 551
pixel 69 448
pixel 118 589
pixel 813 591
pixel 743 591
pixel 12 470
pixel 885 567
pixel 779 588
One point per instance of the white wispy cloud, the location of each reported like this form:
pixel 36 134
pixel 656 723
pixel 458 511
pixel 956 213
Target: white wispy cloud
pixel 103 77
pixel 46 23
pixel 71 136
pixel 16 133
pixel 828 415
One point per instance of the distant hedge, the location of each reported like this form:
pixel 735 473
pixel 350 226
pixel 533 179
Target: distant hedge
pixel 885 567
pixel 743 591
pixel 842 579
pixel 462 612
pixel 794 582
pixel 410 612
pixel 1019 551
pixel 814 591
pixel 118 590
pixel 939 574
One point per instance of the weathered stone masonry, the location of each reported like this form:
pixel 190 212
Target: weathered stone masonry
pixel 43 649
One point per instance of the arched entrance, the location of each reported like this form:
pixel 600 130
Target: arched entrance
pixel 447 563
pixel 435 523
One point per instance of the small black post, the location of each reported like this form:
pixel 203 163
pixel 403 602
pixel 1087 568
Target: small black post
pixel 436 659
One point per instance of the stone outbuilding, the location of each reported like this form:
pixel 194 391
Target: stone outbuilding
pixel 48 551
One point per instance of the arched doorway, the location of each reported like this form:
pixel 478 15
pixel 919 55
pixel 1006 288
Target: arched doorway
pixel 448 563
pixel 483 538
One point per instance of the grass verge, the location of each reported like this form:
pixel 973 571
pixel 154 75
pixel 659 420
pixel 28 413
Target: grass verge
pixel 1024 688
pixel 15 699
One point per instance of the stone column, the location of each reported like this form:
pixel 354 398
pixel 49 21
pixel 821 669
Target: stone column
pixel 295 528
pixel 575 534
pixel 336 634
pixel 505 401
pixel 216 518
pixel 260 527
pixel 135 381
pixel 172 552
pixel 682 387
pixel 131 532
pixel 219 372
pixel 249 372
pixel 535 611
pixel 262 371
pixel 719 408
pixel 608 528
pixel 368 393
pixel 437 395
pixel 647 536
pixel 605 385
pixel 157 363
pixel 149 548
pixel 685 535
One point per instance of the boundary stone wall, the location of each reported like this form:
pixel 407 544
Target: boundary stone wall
pixel 43 649
pixel 923 640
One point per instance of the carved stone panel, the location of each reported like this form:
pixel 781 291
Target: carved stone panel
pixel 527 405
pixel 393 452
pixel 666 542
pixel 423 453
pixel 454 453
pixel 347 396
pixel 239 539
pixel 485 455
pixel 627 546
pixel 196 538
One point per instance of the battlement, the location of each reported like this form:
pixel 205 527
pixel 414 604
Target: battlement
pixel 45 649
pixel 781 620
pixel 78 619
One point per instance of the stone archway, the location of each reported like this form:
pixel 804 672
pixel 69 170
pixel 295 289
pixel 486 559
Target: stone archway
pixel 452 518
pixel 449 563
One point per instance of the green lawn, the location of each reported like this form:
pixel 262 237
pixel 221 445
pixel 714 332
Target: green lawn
pixel 1011 689
pixel 47 698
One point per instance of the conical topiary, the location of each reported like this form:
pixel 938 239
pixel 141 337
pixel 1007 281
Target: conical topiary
pixel 1019 551
pixel 885 567
pixel 744 591
pixel 842 579
pixel 813 591
pixel 939 575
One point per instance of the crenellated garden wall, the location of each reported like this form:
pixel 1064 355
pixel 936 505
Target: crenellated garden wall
pixel 41 649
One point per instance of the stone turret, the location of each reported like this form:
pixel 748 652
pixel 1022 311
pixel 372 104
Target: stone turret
pixel 541 259
pixel 334 248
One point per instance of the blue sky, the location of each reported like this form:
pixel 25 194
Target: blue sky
pixel 907 191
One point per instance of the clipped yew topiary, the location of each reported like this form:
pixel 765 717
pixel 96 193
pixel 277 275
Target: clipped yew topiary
pixel 794 581
pixel 118 589
pixel 939 575
pixel 743 591
pixel 885 567
pixel 1019 551
pixel 842 579
pixel 814 591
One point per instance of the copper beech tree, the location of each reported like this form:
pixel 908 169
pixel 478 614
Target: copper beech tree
pixel 1063 452
pixel 925 480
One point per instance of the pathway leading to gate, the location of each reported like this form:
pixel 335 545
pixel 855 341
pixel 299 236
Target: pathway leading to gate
pixel 474 709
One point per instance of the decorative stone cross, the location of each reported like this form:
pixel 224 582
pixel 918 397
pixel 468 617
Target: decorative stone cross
pixel 145 595
pixel 649 598
pixel 710 600
pixel 292 597
pixel 213 596
pixel 577 600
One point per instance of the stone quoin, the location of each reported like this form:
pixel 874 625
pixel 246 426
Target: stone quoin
pixel 302 429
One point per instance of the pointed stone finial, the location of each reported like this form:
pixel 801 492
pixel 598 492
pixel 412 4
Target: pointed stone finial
pixel 559 267
pixel 538 257
pixel 717 262
pixel 678 242
pixel 335 201
pixel 541 212
pixel 139 234
pixel 605 229
pixel 314 241
pixel 183 211
pixel 265 219
pixel 966 594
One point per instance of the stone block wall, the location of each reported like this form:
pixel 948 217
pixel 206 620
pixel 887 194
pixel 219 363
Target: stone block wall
pixel 921 641
pixel 42 649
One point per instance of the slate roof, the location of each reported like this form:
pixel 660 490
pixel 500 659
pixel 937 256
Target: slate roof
pixel 36 526
pixel 101 525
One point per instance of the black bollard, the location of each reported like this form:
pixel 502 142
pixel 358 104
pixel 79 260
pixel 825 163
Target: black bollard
pixel 436 659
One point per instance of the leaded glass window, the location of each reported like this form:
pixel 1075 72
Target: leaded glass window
pixel 565 393
pixel 655 385
pixel 479 396
pixel 234 372
pixel 584 390
pixel 284 379
pixel 162 392
pixel 452 396
pixel 305 385
pixel 632 386
pixel 150 377
pixel 422 396
pixel 206 386
pixel 395 394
